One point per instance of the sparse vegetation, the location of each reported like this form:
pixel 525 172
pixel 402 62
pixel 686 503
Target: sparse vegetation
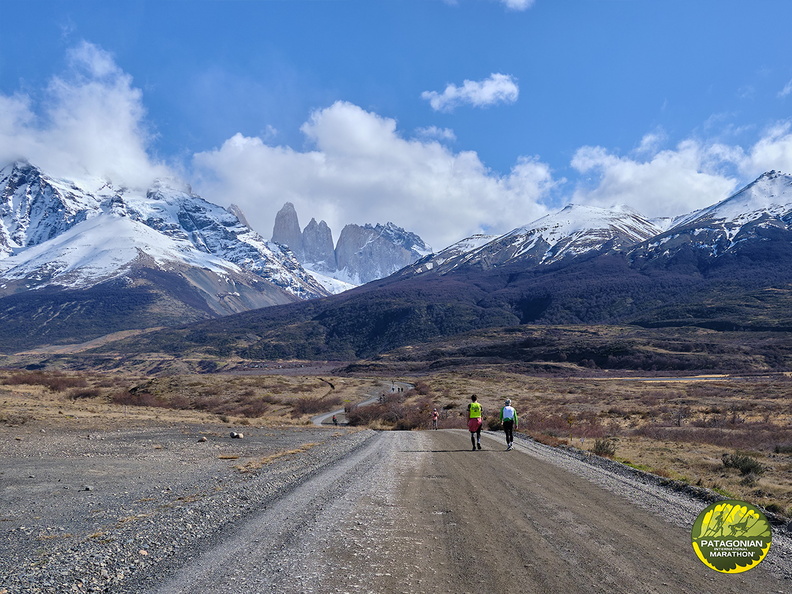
pixel 403 411
pixel 729 435
pixel 605 447
pixel 227 397
pixel 747 465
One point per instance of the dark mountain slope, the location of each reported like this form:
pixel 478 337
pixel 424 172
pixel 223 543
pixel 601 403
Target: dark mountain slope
pixel 746 291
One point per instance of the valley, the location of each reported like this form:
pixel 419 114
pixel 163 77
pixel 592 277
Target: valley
pixel 154 494
pixel 596 323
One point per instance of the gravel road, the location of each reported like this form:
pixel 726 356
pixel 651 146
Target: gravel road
pixel 325 510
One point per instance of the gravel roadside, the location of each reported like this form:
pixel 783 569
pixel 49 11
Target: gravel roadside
pixel 112 510
pixel 187 508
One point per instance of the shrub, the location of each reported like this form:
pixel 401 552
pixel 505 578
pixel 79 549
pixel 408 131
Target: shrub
pixel 392 412
pixel 138 398
pixel 747 465
pixel 549 440
pixel 306 405
pixel 78 393
pixel 785 448
pixel 605 447
pixel 55 381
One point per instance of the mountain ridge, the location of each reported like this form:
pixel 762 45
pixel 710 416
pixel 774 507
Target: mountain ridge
pixel 611 270
pixel 682 283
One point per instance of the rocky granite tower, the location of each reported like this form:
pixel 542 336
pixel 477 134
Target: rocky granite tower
pixel 286 231
pixel 318 246
pixel 362 254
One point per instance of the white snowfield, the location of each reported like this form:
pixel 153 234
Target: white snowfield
pixel 54 232
pixel 578 230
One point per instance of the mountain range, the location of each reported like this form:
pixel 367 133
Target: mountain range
pixel 691 283
pixel 363 253
pixel 723 268
pixel 106 258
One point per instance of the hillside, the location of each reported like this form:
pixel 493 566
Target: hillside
pixel 736 302
pixel 728 269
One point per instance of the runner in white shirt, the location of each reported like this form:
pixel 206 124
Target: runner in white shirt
pixel 508 417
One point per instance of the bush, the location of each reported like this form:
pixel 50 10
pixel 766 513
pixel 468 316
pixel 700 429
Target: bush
pixel 138 398
pixel 605 447
pixel 55 381
pixel 306 405
pixel 747 465
pixel 79 393
pixel 392 412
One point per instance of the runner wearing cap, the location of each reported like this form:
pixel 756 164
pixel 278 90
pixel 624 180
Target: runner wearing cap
pixel 508 417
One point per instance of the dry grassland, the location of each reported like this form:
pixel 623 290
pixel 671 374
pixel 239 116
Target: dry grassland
pixel 80 399
pixel 682 430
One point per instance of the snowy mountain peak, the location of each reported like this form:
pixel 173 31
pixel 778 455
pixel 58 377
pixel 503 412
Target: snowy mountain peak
pixel 580 221
pixel 571 232
pixel 57 233
pixel 769 196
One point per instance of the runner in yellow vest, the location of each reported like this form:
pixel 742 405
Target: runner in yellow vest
pixel 475 415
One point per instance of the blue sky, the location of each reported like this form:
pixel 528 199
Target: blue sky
pixel 445 117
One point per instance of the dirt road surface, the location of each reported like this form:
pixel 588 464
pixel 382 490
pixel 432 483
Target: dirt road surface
pixel 419 512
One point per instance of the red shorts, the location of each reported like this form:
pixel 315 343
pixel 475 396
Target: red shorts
pixel 474 424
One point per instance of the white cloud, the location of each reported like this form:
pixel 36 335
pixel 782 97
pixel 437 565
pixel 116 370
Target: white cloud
pixel 786 90
pixel 692 175
pixel 498 88
pixel 772 151
pixel 665 183
pixel 434 132
pixel 91 122
pixel 651 142
pixel 363 171
pixel 517 4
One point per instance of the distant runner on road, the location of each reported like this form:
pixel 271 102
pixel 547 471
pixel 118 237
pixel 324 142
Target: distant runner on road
pixel 475 413
pixel 434 419
pixel 508 417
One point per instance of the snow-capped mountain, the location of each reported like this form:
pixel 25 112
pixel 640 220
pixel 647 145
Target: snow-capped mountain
pixel 63 235
pixel 572 232
pixel 452 255
pixel 760 211
pixel 363 252
pixel 754 215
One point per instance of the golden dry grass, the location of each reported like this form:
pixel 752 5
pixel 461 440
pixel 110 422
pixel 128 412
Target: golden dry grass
pixel 676 429
pixel 252 465
pixel 109 398
pixel 679 429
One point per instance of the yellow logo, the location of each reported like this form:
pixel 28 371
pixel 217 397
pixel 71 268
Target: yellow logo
pixel 731 536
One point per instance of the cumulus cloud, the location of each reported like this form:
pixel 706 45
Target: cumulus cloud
pixel 362 170
pixel 91 122
pixel 772 151
pixel 498 88
pixel 664 183
pixel 667 182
